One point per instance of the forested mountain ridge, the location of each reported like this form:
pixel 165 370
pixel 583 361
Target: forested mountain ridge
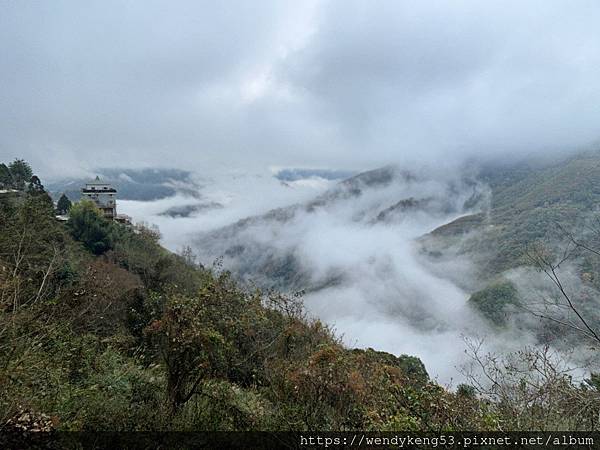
pixel 103 329
pixel 549 207
pixel 526 204
pixel 500 212
pixel 373 198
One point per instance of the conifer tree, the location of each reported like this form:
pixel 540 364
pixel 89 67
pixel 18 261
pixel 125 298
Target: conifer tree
pixel 64 205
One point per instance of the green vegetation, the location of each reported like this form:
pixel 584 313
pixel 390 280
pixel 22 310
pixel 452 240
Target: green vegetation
pixel 88 226
pixel 63 206
pixel 103 329
pixel 15 175
pixel 526 205
pixel 531 208
pixel 494 300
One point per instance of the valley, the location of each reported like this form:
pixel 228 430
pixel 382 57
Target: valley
pixel 402 261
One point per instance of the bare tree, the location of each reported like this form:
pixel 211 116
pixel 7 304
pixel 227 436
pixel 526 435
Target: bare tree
pixel 533 389
pixel 565 308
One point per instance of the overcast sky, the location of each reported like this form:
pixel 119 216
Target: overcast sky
pixel 342 84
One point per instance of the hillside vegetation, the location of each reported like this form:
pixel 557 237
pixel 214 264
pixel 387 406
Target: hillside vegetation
pixel 526 205
pixel 530 207
pixel 103 329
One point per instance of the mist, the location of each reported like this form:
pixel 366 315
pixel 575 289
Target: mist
pixel 229 195
pixel 172 173
pixel 364 273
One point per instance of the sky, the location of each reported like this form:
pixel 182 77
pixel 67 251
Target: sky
pixel 331 84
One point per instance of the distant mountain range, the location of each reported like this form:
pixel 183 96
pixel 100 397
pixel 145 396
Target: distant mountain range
pixel 383 196
pixel 431 254
pixel 526 205
pixel 485 221
pixel 487 216
pixel 133 184
pixel 294 174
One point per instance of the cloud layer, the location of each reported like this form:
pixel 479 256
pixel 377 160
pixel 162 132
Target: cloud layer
pixel 318 83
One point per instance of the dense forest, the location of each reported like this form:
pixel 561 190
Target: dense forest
pixel 101 328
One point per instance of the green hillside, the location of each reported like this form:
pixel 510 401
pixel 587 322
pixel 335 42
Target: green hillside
pixel 103 329
pixel 529 207
pixel 526 206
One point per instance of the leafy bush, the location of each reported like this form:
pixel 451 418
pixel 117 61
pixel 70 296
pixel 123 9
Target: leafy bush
pixel 88 226
pixel 495 300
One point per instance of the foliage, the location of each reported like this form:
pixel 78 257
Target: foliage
pixel 88 226
pixel 20 172
pixel 137 250
pixel 36 187
pixel 526 205
pixel 6 178
pixel 33 250
pixel 495 300
pixel 534 389
pixel 63 206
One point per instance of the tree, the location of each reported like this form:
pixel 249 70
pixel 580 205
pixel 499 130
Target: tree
pixel 533 389
pixel 221 332
pixel 64 205
pixel 31 251
pixel 565 309
pixel 6 178
pixel 191 349
pixel 495 301
pixel 21 173
pixel 35 185
pixel 87 225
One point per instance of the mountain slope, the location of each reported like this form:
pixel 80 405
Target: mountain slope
pixel 267 249
pixel 526 205
pixel 388 246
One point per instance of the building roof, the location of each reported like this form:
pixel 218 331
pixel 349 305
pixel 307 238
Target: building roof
pixel 96 181
pixel 96 191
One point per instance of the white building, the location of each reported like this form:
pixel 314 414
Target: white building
pixel 104 195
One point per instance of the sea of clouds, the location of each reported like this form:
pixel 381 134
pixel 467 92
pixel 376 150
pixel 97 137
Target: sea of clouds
pixel 369 279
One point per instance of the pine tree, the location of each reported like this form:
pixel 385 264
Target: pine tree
pixel 21 173
pixel 6 179
pixel 64 204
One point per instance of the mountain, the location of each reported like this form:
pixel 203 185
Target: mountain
pixel 531 209
pixel 498 210
pixel 526 205
pixel 296 174
pixel 134 337
pixel 406 244
pixel 265 248
pixel 133 184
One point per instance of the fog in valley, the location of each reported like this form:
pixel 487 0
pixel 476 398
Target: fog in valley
pixel 357 257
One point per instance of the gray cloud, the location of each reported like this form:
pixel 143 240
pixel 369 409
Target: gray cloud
pixel 336 83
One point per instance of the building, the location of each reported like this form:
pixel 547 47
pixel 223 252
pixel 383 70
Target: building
pixel 104 195
pixel 123 219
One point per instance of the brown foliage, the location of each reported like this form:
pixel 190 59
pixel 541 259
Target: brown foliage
pixel 99 302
